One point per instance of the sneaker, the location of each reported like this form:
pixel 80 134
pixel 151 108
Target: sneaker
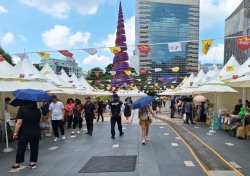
pixel 33 166
pixel 112 137
pixel 72 133
pixel 78 132
pixel 147 138
pixel 121 134
pixel 16 167
pixel 56 139
pixel 143 142
pixel 48 135
pixel 63 137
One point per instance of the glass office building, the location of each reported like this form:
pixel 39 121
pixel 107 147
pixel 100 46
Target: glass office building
pixel 162 21
pixel 237 24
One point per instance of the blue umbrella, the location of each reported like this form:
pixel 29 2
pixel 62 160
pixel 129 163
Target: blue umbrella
pixel 31 94
pixel 144 101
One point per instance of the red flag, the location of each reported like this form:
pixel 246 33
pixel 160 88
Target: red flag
pixel 1 58
pixel 145 49
pixel 65 53
pixel 243 43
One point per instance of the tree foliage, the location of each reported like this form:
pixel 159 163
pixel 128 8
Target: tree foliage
pixel 6 56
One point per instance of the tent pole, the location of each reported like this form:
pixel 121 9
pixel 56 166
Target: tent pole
pixel 7 149
pixel 244 103
pixel 215 112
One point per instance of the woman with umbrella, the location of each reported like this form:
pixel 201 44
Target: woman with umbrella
pixel 27 131
pixel 144 109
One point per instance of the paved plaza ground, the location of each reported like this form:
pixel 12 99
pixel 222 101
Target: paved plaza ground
pixel 164 154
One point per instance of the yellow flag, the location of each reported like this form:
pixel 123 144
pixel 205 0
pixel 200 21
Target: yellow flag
pixel 156 84
pixel 46 72
pixel 229 68
pixel 43 54
pixel 172 87
pixel 115 50
pixel 175 69
pixel 206 44
pixel 128 72
pixel 89 81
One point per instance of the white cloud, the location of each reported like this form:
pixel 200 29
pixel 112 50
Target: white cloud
pixel 22 37
pixel 213 12
pixel 61 37
pixel 130 35
pixel 3 10
pixel 95 60
pixel 62 8
pixel 214 55
pixel 7 38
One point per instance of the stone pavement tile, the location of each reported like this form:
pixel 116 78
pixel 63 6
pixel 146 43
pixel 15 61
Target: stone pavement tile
pixel 190 171
pixel 132 151
pixel 148 170
pixel 168 169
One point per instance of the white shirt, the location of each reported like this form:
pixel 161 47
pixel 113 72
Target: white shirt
pixel 56 110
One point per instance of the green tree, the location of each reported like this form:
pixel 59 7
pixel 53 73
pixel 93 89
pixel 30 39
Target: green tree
pixel 38 67
pixel 6 56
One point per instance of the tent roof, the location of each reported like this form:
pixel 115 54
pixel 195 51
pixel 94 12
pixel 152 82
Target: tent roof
pixel 64 76
pixel 212 73
pixel 85 84
pixel 199 77
pixel 6 68
pixel 224 73
pixel 244 69
pixel 47 69
pixel 75 80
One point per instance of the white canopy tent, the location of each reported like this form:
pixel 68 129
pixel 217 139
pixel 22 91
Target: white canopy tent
pixel 244 69
pixel 229 69
pixel 6 68
pixel 199 77
pixel 211 74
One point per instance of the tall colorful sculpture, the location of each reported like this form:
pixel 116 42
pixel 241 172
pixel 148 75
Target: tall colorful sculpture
pixel 120 65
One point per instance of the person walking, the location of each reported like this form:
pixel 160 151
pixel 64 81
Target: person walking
pixel 127 109
pixel 115 108
pixel 203 113
pixel 189 111
pixel 69 111
pixel 100 106
pixel 27 130
pixel 145 121
pixel 56 114
pixel 90 113
pixel 78 114
pixel 45 118
pixel 173 106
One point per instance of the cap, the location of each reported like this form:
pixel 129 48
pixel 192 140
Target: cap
pixel 87 98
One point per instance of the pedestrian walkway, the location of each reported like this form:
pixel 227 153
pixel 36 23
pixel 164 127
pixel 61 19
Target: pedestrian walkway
pixel 165 154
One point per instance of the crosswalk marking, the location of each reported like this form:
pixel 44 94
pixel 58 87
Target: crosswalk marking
pixel 174 144
pixel 53 148
pixel 189 163
pixel 161 127
pixel 236 166
pixel 229 144
pixel 115 146
pixel 166 134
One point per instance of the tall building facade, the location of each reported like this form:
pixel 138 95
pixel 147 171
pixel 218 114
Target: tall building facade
pixel 163 21
pixel 237 24
pixel 69 66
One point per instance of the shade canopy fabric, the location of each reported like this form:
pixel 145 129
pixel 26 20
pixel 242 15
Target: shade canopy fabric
pixel 240 82
pixel 229 69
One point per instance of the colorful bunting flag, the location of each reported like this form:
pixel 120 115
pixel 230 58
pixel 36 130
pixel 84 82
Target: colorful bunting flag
pixel 46 72
pixel 91 51
pixel 89 81
pixel 229 68
pixel 206 44
pixel 66 53
pixel 156 84
pixel 174 46
pixel 22 56
pixel 43 54
pixel 115 50
pixel 243 43
pixel 175 69
pixel 128 72
pixel 1 58
pixel 144 49
pixel 158 69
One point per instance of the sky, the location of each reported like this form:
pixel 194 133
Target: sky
pixel 45 25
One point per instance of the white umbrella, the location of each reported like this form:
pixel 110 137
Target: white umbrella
pixel 187 91
pixel 215 86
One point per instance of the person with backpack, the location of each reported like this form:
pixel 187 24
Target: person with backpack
pixel 189 111
pixel 78 114
pixel 127 109
pixel 145 121
pixel 100 106
pixel 115 108
pixel 90 113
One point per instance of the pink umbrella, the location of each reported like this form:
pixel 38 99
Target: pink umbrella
pixel 199 98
